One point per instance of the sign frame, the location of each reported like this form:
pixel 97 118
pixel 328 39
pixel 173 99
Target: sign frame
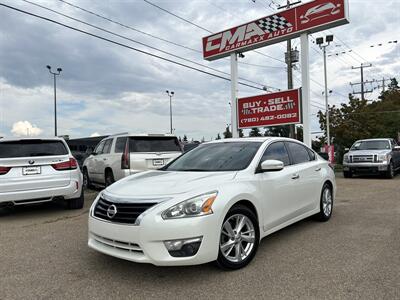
pixel 275 40
pixel 300 110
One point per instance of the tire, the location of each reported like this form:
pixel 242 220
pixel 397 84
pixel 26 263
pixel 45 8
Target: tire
pixel 325 204
pixel 76 203
pixel 230 259
pixel 390 173
pixel 87 184
pixel 347 174
pixel 109 178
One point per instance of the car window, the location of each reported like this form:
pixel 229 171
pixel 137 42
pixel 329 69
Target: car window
pixel 277 151
pixel 120 144
pixel 298 153
pixel 154 144
pixel 312 154
pixel 28 148
pixel 371 145
pixel 107 146
pixel 228 156
pixel 99 148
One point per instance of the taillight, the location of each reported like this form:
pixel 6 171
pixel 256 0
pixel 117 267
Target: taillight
pixel 71 164
pixel 125 159
pixel 4 170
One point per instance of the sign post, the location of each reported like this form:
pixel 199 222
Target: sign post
pixel 305 79
pixel 234 94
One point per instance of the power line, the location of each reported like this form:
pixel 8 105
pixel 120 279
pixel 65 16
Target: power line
pixel 122 45
pixel 137 42
pixel 198 26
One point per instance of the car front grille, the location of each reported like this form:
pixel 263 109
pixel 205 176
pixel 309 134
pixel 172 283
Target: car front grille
pixel 362 158
pixel 125 212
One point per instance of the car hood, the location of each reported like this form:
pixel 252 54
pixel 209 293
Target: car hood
pixel 369 152
pixel 164 183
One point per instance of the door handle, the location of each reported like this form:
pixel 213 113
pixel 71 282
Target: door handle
pixel 295 176
pixel 318 169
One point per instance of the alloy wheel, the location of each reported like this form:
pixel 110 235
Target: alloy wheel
pixel 237 238
pixel 327 202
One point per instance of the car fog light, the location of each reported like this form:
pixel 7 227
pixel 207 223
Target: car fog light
pixel 183 248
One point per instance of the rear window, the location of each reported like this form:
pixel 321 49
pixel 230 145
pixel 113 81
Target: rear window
pixel 32 148
pixel 154 144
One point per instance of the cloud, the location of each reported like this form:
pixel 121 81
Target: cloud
pixel 95 134
pixel 25 128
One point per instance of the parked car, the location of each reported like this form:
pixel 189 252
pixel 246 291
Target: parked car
pixel 81 148
pixel 372 156
pixel 213 203
pixel 118 156
pixel 39 170
pixel 190 146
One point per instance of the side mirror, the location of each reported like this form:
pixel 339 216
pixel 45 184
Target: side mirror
pixel 271 165
pixel 397 148
pixel 346 149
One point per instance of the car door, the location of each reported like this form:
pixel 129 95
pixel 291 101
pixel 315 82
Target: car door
pixel 276 187
pixel 395 154
pixel 101 161
pixel 93 160
pixel 306 178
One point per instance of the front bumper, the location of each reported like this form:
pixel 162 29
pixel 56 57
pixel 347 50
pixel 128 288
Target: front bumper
pixel 365 168
pixel 145 243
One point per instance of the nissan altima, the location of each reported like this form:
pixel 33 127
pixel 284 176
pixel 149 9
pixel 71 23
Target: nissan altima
pixel 212 204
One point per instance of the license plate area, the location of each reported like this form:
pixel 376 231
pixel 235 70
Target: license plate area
pixel 158 162
pixel 31 170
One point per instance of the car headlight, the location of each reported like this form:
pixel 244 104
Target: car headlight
pixel 382 157
pixel 194 207
pixel 346 158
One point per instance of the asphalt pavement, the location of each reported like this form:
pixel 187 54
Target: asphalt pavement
pixel 356 255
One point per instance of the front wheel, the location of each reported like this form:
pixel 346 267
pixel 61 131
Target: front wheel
pixel 390 172
pixel 109 178
pixel 325 204
pixel 347 174
pixel 239 238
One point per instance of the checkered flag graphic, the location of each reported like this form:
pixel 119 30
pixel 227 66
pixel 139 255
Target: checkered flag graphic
pixel 273 23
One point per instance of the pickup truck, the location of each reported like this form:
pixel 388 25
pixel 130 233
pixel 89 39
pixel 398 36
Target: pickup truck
pixel 372 156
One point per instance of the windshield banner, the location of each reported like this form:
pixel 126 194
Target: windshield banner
pixel 287 24
pixel 273 109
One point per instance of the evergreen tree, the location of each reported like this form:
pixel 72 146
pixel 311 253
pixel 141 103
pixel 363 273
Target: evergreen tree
pixel 218 137
pixel 227 133
pixel 241 133
pixel 254 132
pixel 185 139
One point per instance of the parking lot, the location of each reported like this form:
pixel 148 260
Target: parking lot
pixel 354 255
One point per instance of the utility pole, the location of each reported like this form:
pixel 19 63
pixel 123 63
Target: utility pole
pixel 289 62
pixel 361 67
pixel 170 94
pixel 55 95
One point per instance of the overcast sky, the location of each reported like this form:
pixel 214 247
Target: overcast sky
pixel 105 88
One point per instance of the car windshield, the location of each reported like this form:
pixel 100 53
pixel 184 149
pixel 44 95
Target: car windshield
pixel 28 148
pixel 227 156
pixel 154 144
pixel 371 145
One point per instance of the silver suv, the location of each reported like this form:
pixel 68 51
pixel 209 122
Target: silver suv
pixel 372 156
pixel 118 156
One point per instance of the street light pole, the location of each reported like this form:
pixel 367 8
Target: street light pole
pixel 55 95
pixel 170 94
pixel 320 42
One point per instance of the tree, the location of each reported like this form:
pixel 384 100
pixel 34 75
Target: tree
pixel 185 139
pixel 241 133
pixel 180 139
pixel 203 139
pixel 227 133
pixel 255 132
pixel 282 131
pixel 218 137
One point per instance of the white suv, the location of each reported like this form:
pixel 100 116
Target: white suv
pixel 118 156
pixel 38 170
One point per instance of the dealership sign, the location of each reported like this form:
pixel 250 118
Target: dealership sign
pixel 309 17
pixel 273 109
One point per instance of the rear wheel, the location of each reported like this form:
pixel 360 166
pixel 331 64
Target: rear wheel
pixel 326 203
pixel 239 238
pixel 109 178
pixel 76 203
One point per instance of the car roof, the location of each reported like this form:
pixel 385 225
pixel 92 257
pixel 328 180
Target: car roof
pixel 141 135
pixel 377 139
pixel 12 139
pixel 254 139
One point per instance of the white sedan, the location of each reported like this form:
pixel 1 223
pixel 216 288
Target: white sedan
pixel 214 203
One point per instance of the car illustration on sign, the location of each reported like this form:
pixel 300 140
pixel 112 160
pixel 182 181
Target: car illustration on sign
pixel 320 11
